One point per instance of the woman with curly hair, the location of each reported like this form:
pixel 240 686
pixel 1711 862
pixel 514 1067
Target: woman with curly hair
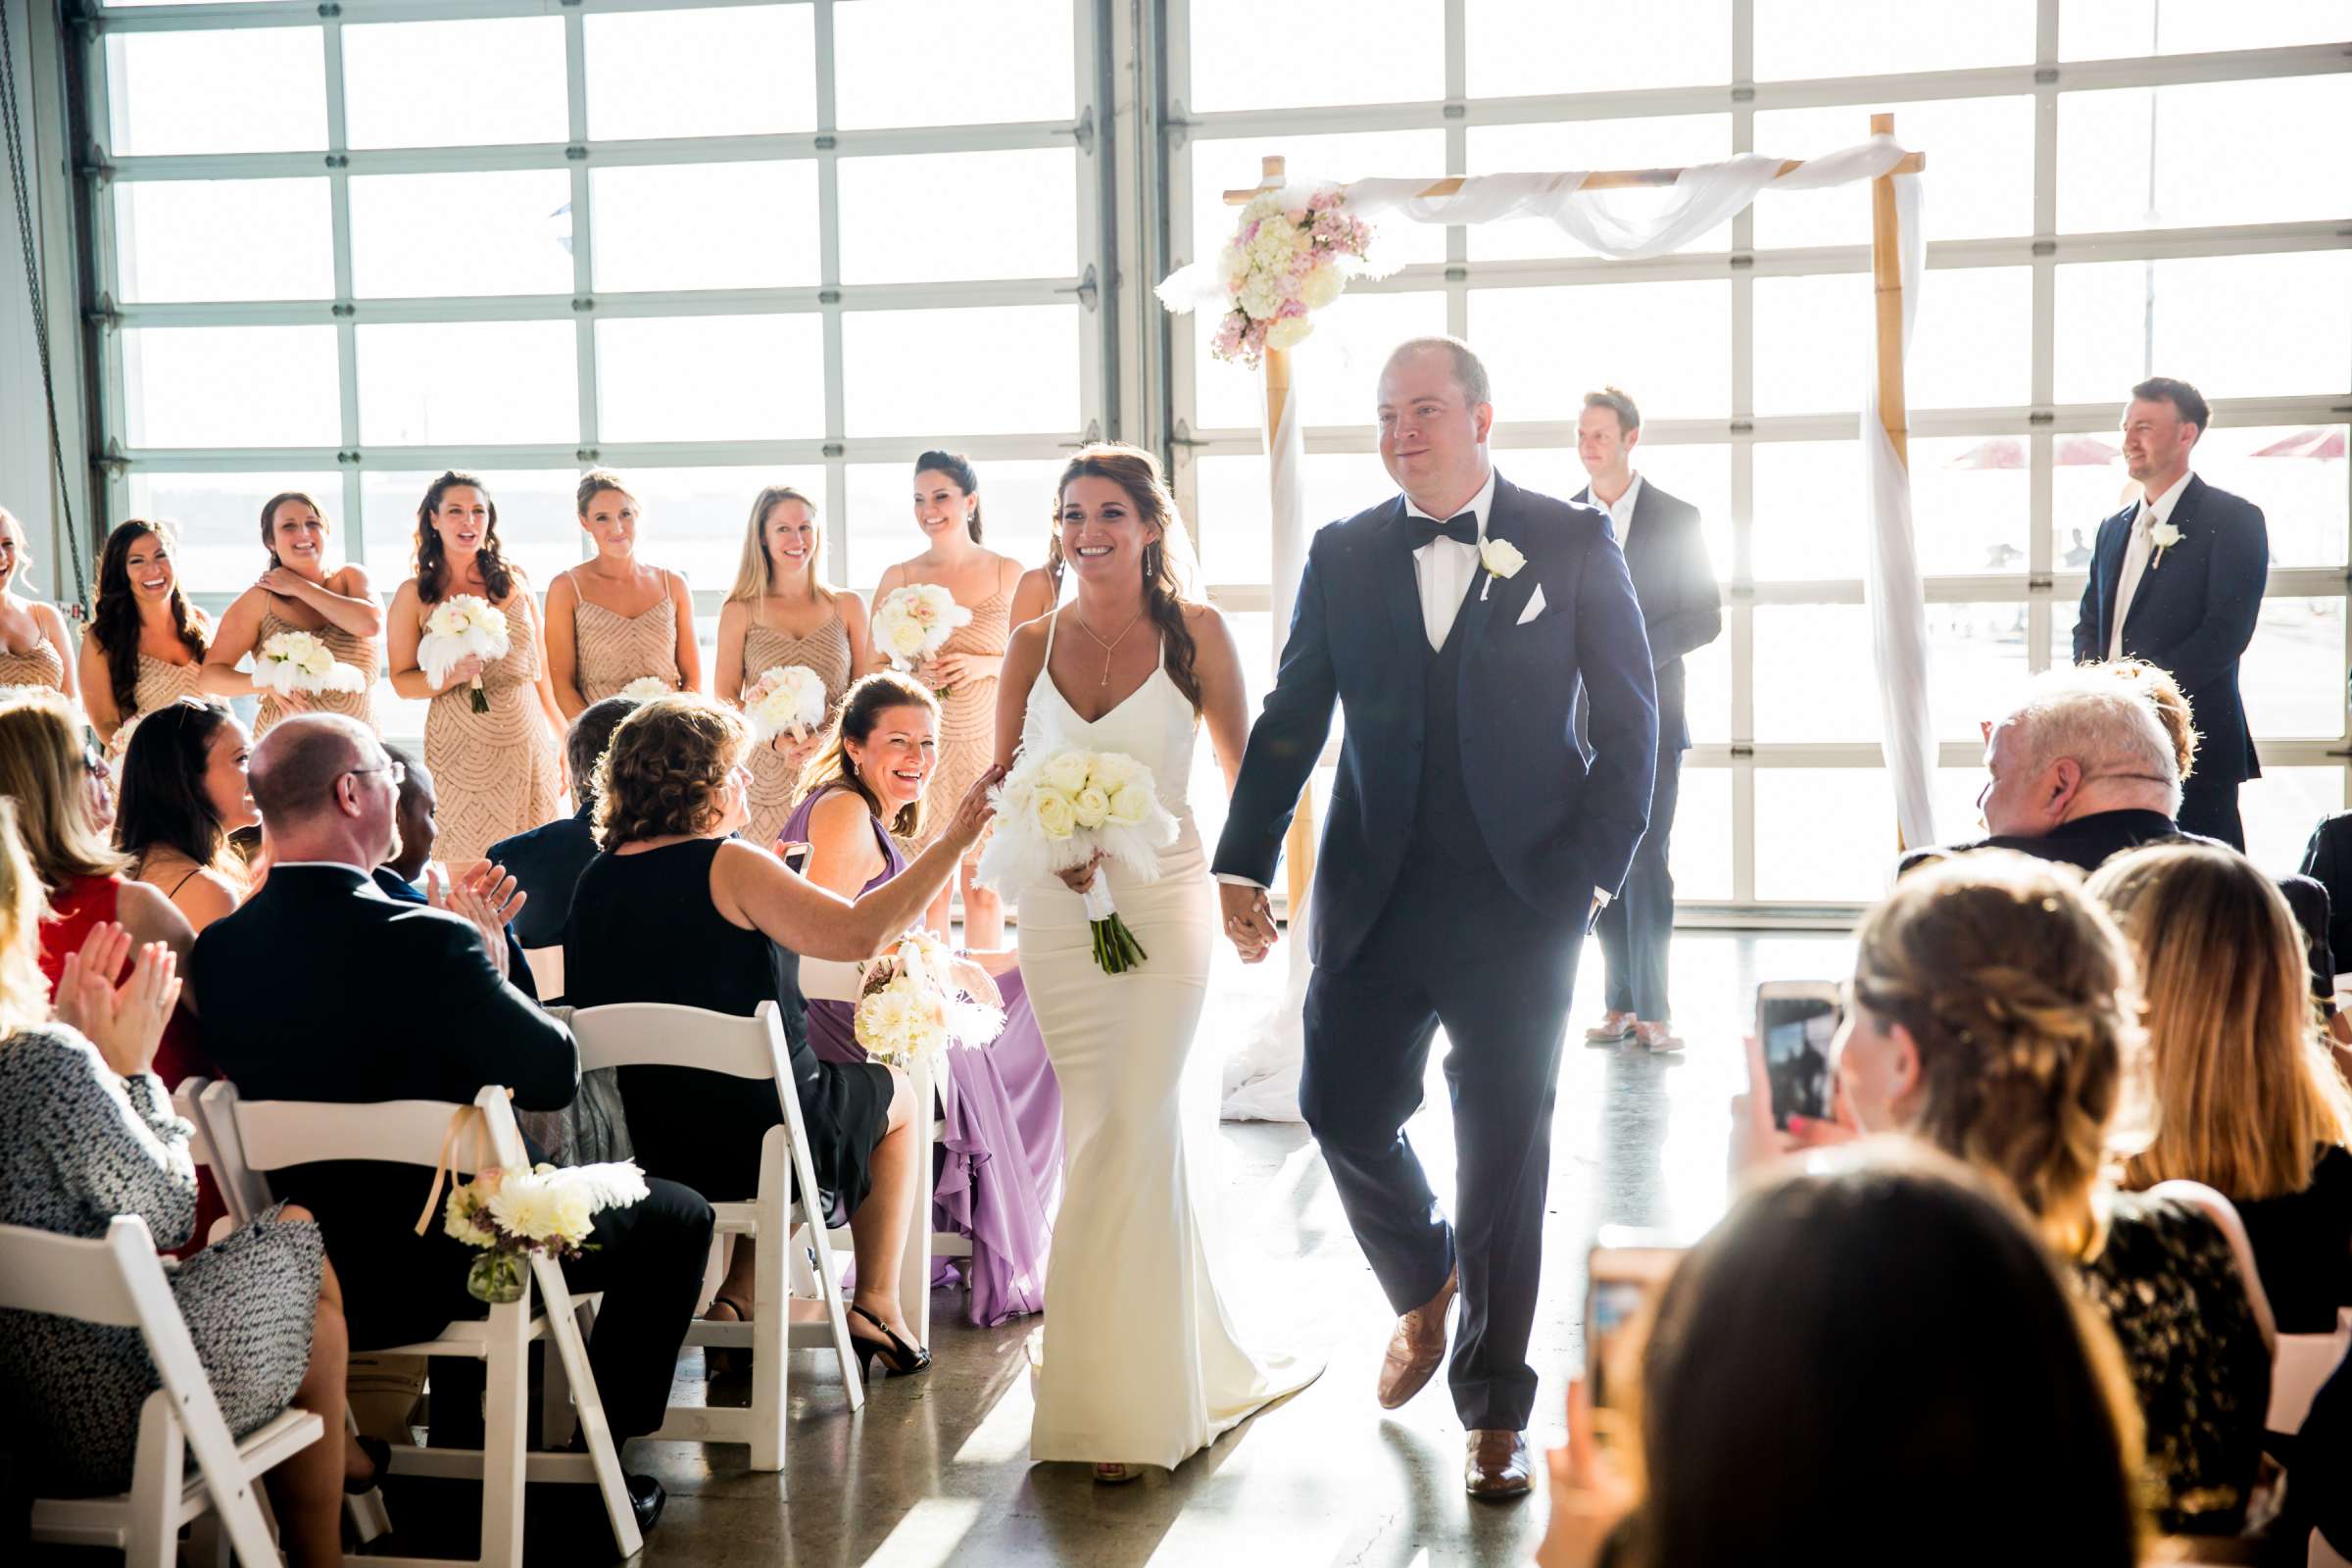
pixel 677 910
pixel 146 643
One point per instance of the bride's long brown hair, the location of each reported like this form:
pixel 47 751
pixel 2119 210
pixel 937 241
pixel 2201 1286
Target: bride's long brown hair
pixel 1168 560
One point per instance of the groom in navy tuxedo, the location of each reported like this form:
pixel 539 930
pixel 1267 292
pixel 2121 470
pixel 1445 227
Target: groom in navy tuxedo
pixel 1470 842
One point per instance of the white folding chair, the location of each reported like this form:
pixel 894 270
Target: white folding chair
pixel 119 1282
pixel 2300 1365
pixel 258 1137
pixel 922 1243
pixel 647 1033
pixel 547 970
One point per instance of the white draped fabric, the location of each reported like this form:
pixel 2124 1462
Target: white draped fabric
pixel 1261 1079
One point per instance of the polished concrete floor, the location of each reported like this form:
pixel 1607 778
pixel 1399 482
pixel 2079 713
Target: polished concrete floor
pixel 935 1469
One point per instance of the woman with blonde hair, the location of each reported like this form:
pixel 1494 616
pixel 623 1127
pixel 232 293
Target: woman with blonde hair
pixel 298 591
pixel 781 612
pixel 614 620
pixel 2251 1103
pixel 35 648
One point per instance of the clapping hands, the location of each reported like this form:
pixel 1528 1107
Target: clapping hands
pixel 483 894
pixel 125 1022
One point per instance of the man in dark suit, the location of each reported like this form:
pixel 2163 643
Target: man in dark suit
pixel 1682 611
pixel 545 862
pixel 2176 579
pixel 387 1001
pixel 1468 846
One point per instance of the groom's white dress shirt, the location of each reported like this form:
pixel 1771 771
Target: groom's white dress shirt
pixel 2152 513
pixel 1445 568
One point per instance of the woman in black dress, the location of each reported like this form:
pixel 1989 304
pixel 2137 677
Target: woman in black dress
pixel 678 910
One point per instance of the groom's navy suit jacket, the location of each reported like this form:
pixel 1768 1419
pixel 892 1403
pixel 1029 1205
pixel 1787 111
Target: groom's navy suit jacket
pixel 2193 613
pixel 1556 828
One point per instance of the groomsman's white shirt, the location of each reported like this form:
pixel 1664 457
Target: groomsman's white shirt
pixel 1621 510
pixel 2136 557
pixel 1445 568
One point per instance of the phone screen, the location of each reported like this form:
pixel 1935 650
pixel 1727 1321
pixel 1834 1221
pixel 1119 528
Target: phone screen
pixel 1613 1305
pixel 1796 1031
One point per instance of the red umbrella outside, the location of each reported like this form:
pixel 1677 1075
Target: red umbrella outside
pixel 2326 442
pixel 2009 452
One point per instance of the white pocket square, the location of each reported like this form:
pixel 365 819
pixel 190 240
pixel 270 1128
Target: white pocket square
pixel 1534 606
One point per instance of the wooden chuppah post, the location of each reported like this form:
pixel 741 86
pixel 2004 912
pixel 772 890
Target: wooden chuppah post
pixel 1887 280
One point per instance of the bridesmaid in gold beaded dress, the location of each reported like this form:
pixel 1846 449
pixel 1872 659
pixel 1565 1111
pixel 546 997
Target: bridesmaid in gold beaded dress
pixel 299 593
pixel 947 508
pixel 782 612
pixel 34 644
pixel 613 620
pixel 499 772
pixel 145 646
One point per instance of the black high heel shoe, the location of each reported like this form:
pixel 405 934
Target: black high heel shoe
pixel 379 1460
pixel 899 1358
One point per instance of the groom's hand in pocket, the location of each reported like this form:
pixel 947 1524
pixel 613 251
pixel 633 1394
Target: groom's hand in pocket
pixel 1249 920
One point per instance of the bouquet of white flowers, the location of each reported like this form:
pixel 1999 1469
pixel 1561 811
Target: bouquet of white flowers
pixel 299 662
pixel 513 1214
pixel 118 745
pixel 1057 811
pixel 914 622
pixel 462 626
pixel 785 698
pixel 645 688
pixel 911 1006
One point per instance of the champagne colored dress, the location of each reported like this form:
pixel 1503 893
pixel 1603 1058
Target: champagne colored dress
pixel 496 773
pixel 37 666
pixel 826 650
pixel 360 653
pixel 614 649
pixel 158 682
pixel 968 718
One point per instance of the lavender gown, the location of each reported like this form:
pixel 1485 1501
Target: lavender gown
pixel 1000 1180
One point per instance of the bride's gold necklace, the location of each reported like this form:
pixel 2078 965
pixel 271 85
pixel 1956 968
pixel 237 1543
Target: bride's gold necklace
pixel 1111 647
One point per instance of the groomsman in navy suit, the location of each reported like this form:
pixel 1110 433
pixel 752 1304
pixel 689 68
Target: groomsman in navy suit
pixel 2176 579
pixel 1682 611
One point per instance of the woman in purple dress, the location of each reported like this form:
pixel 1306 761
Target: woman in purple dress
pixel 1002 1179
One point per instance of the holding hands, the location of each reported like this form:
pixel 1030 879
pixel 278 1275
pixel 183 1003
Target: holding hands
pixel 1249 920
pixel 125 1022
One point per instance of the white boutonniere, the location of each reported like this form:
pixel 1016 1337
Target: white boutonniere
pixel 2163 536
pixel 1501 558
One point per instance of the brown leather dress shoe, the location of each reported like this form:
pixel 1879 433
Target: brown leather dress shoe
pixel 1499 1467
pixel 1416 1347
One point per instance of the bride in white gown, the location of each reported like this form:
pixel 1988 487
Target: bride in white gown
pixel 1141 1363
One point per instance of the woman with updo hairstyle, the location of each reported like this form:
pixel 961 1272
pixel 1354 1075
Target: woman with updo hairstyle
pixel 964 671
pixel 300 592
pixel 613 621
pixel 1000 1174
pixel 1994 1016
pixel 184 791
pixel 677 910
pixel 146 643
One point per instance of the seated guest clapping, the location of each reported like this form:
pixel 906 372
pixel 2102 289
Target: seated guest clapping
pixel 677 911
pixel 184 794
pixel 545 862
pixel 1992 1016
pixel 321 987
pixel 2250 1102
pixel 1853 1341
pixel 403 875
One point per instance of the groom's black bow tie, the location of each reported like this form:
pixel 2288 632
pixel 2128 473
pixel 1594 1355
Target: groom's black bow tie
pixel 1462 529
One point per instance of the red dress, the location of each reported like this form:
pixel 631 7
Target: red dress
pixel 89 902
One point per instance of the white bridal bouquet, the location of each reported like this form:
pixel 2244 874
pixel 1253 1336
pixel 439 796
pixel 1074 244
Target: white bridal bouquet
pixel 645 688
pixel 512 1214
pixel 1056 810
pixel 785 698
pixel 462 626
pixel 300 661
pixel 911 1006
pixel 914 622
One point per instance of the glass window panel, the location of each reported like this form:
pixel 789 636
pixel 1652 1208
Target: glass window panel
pixel 2239 325
pixel 1669 344
pixel 1317 52
pixel 165 94
pixel 743 71
pixel 2110 30
pixel 413 237
pixel 711 377
pixel 951 63
pixel 752 225
pixel 2280 811
pixel 1807 510
pixel 2300 486
pixel 1339 369
pixel 1232 507
pixel 1654 143
pixel 1707 691
pixel 2082 494
pixel 1823 835
pixel 1815 679
pixel 230 386
pixel 693 520
pixel 468 383
pixel 454 83
pixel 2288 676
pixel 950 217
pixel 2207 153
pixel 1698 474
pixel 1980 170
pixel 1802 39
pixel 1017 506
pixel 1971 343
pixel 1976 658
pixel 1699 853
pixel 1952 793
pixel 219 516
pixel 1030 352
pixel 1970 502
pixel 223 239
pixel 1521 48
pixel 1220 165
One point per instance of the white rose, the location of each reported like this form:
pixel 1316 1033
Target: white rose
pixel 1054 814
pixel 907 636
pixel 1090 806
pixel 1288 333
pixel 1066 771
pixel 1501 558
pixel 1112 770
pixel 1131 805
pixel 1322 286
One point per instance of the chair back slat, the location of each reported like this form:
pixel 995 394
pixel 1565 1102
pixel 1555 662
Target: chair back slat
pixel 70 1276
pixel 276 1133
pixel 655 1034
